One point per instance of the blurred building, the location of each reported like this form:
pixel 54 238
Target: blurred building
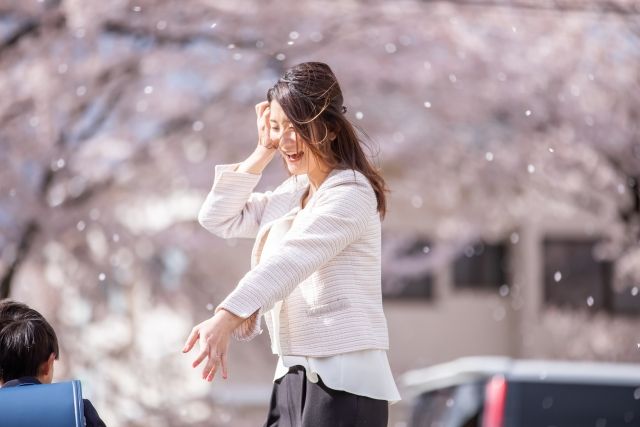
pixel 546 288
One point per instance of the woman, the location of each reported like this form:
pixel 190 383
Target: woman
pixel 315 270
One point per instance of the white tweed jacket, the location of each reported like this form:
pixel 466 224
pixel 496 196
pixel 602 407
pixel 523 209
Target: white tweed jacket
pixel 327 271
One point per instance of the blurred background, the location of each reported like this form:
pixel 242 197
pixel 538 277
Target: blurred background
pixel 508 132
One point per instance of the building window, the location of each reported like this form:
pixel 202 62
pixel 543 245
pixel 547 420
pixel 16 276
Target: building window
pixel 574 278
pixel 405 270
pixel 481 266
pixel 626 300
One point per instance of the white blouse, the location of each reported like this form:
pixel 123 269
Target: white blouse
pixel 365 372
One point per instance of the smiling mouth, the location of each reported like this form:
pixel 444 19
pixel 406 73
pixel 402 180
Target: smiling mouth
pixel 293 157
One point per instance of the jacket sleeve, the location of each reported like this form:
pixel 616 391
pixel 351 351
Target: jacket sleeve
pixel 231 208
pixel 91 417
pixel 338 218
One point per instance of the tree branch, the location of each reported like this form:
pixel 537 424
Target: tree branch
pixel 606 7
pixel 26 240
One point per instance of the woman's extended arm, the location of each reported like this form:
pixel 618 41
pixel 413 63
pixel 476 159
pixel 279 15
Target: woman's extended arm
pixel 339 217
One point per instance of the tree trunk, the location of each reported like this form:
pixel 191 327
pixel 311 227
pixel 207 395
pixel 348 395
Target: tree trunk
pixel 28 236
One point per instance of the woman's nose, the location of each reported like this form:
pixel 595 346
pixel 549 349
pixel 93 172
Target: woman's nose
pixel 288 137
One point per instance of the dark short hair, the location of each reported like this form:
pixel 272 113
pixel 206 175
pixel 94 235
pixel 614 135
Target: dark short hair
pixel 26 341
pixel 14 310
pixel 11 310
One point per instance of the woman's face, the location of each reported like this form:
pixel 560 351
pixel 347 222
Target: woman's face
pixel 300 160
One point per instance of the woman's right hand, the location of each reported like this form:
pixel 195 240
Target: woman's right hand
pixel 264 128
pixel 266 149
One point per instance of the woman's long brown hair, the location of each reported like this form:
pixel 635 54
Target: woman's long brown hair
pixel 311 98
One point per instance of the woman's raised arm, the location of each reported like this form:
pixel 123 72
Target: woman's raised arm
pixel 231 208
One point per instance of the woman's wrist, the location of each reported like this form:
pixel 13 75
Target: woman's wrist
pixel 257 161
pixel 229 319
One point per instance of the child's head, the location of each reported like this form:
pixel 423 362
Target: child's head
pixel 28 344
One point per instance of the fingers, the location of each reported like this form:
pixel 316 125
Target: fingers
pixel 267 124
pixel 193 337
pixel 223 362
pixel 212 373
pixel 208 367
pixel 204 353
pixel 213 348
pixel 265 130
pixel 260 107
pixel 211 367
pixel 264 117
pixel 209 371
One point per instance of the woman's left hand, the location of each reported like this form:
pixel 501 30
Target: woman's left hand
pixel 213 335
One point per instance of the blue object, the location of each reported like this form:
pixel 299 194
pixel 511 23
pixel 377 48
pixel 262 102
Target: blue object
pixel 42 405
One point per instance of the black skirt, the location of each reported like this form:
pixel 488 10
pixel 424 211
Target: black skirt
pixel 297 402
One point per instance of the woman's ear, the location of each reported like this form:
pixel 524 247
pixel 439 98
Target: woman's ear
pixel 334 130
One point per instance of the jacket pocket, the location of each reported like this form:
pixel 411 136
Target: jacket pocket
pixel 328 308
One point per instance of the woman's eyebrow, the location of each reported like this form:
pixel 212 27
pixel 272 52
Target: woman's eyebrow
pixel 285 121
